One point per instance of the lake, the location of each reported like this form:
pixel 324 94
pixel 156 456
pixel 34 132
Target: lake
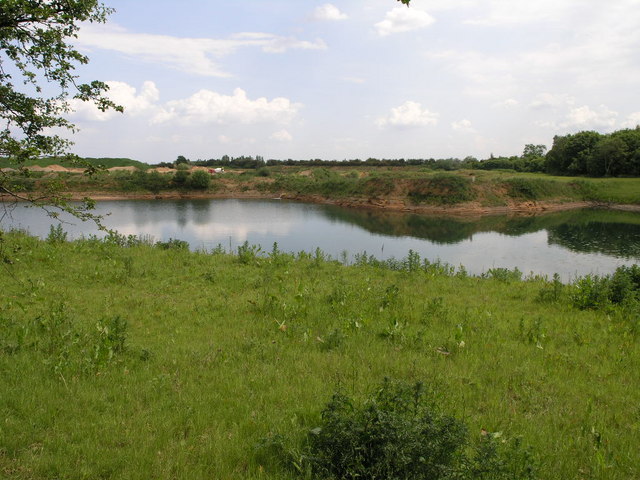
pixel 572 243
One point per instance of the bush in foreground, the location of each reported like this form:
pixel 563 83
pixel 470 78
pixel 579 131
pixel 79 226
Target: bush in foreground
pixel 398 433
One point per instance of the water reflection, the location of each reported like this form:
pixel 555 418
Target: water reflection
pixel 610 232
pixel 570 243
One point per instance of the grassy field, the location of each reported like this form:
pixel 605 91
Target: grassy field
pixel 136 362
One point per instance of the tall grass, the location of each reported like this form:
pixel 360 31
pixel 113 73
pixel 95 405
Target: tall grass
pixel 136 362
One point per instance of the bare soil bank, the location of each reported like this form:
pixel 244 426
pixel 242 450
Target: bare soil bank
pixel 469 209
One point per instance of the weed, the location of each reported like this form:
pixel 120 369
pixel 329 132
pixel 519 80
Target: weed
pixel 56 234
pixel 248 253
pixel 503 274
pixel 551 292
pixel 109 341
pixel 173 244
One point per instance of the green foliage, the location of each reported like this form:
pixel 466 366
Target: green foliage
pixel 199 180
pixel 399 433
pixel 173 244
pixel 591 153
pixel 248 253
pixel 504 274
pixel 56 234
pixel 593 291
pixel 181 176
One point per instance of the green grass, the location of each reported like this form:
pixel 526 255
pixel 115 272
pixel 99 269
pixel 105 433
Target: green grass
pixel 222 351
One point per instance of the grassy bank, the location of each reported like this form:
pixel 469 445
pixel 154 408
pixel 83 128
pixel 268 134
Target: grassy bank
pixel 412 188
pixel 153 362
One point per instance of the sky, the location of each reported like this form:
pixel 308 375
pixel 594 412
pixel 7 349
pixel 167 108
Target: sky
pixel 307 79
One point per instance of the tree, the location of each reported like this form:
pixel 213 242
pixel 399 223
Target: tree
pixel 534 151
pixel 36 50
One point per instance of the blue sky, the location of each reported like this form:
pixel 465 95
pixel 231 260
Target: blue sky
pixel 356 79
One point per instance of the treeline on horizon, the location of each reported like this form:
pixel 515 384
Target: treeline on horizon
pixel 586 153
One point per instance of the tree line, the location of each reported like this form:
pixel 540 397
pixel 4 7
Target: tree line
pixel 596 155
pixel 586 153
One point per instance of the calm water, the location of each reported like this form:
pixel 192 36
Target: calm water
pixel 569 243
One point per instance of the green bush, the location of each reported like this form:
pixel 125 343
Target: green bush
pixel 181 176
pixel 593 291
pixel 200 180
pixel 397 433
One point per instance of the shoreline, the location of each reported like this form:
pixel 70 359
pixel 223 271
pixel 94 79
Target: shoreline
pixel 468 209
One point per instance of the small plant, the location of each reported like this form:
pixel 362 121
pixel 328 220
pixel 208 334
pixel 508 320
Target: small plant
pixel 56 234
pixel 173 244
pixel 248 253
pixel 551 292
pixel 504 274
pixel 110 340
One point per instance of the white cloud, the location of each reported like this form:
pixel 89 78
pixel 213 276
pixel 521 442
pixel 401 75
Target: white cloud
pixel 463 125
pixel 632 121
pixel 409 114
pixel 402 19
pixel 585 117
pixel 192 55
pixel 281 136
pixel 550 100
pixel 328 11
pixel 501 12
pixel 206 106
pixel 122 94
pixel 224 139
pixel 508 103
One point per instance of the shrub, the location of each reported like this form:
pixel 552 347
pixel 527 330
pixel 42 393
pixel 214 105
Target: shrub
pixel 622 287
pixel 200 180
pixel 398 434
pixel 181 176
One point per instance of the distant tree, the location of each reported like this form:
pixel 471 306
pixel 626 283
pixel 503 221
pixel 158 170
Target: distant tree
pixel 570 154
pixel 531 150
pixel 180 160
pixel 533 158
